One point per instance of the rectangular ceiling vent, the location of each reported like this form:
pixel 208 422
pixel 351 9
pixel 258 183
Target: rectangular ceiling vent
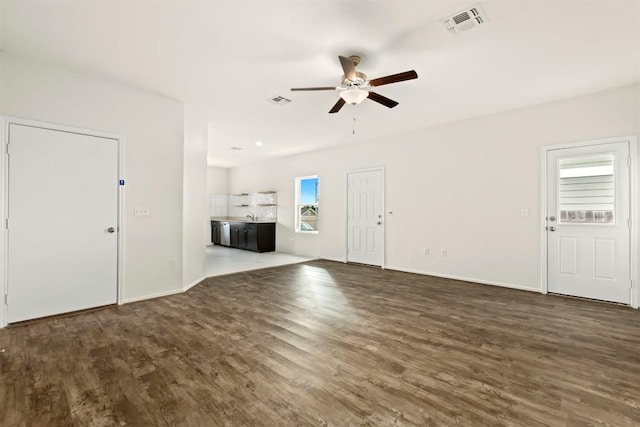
pixel 466 19
pixel 279 100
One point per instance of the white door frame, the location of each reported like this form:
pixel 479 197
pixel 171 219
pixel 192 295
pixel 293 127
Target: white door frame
pixel 346 212
pixel 4 199
pixel 633 204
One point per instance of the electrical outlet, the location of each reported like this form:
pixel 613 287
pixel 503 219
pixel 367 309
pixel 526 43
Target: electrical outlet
pixel 425 251
pixel 443 252
pixel 141 212
pixel 524 212
pixel 174 263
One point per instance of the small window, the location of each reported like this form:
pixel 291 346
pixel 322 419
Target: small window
pixel 587 189
pixel 307 204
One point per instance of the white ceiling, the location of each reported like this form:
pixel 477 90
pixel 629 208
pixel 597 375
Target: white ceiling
pixel 227 57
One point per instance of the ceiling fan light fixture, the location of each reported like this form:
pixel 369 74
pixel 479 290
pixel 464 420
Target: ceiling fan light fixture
pixel 354 96
pixel 356 86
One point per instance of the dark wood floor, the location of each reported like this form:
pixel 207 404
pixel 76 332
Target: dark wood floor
pixel 323 343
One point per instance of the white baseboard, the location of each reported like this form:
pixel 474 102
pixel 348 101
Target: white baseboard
pixel 192 284
pixel 151 296
pixel 465 279
pixel 334 259
pixel 164 294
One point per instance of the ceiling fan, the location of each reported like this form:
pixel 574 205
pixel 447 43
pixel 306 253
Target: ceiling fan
pixel 356 86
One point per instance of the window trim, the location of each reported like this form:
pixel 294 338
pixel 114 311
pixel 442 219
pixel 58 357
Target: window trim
pixel 297 191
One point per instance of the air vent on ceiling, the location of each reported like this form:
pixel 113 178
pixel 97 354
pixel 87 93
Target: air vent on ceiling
pixel 236 148
pixel 466 19
pixel 279 100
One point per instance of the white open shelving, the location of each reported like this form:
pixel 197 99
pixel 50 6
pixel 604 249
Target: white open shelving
pixel 262 204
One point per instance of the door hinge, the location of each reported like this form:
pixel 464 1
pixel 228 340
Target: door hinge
pixel 629 161
pixel 6 299
pixel 7 148
pixel 6 223
pixel 629 222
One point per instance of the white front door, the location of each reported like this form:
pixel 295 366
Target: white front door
pixel 63 200
pixel 365 217
pixel 588 211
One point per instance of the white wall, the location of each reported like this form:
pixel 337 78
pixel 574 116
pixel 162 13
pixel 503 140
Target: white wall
pixel 217 180
pixel 459 187
pixel 153 129
pixel 195 205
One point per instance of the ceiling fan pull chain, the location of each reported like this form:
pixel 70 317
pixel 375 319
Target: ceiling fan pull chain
pixel 354 126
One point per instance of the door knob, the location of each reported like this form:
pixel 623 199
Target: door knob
pixel 552 228
pixel 111 230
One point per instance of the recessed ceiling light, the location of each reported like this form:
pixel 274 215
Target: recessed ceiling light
pixel 259 143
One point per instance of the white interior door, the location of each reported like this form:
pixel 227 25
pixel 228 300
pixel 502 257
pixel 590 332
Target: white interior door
pixel 588 213
pixel 63 200
pixel 365 217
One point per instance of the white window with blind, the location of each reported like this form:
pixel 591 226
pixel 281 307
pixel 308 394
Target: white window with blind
pixel 587 189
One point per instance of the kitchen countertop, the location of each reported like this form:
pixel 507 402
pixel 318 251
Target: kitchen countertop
pixel 240 219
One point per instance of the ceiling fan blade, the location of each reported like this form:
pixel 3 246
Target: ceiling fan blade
pixel 394 78
pixel 294 89
pixel 337 107
pixel 382 100
pixel 348 68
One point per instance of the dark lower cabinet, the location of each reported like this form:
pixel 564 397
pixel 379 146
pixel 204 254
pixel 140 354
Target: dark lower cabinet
pixel 216 229
pixel 252 236
pixel 266 234
pixel 238 238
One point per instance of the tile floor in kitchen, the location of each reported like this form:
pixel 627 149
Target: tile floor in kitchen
pixel 222 260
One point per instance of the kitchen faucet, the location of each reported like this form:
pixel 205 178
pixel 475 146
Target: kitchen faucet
pixel 252 216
